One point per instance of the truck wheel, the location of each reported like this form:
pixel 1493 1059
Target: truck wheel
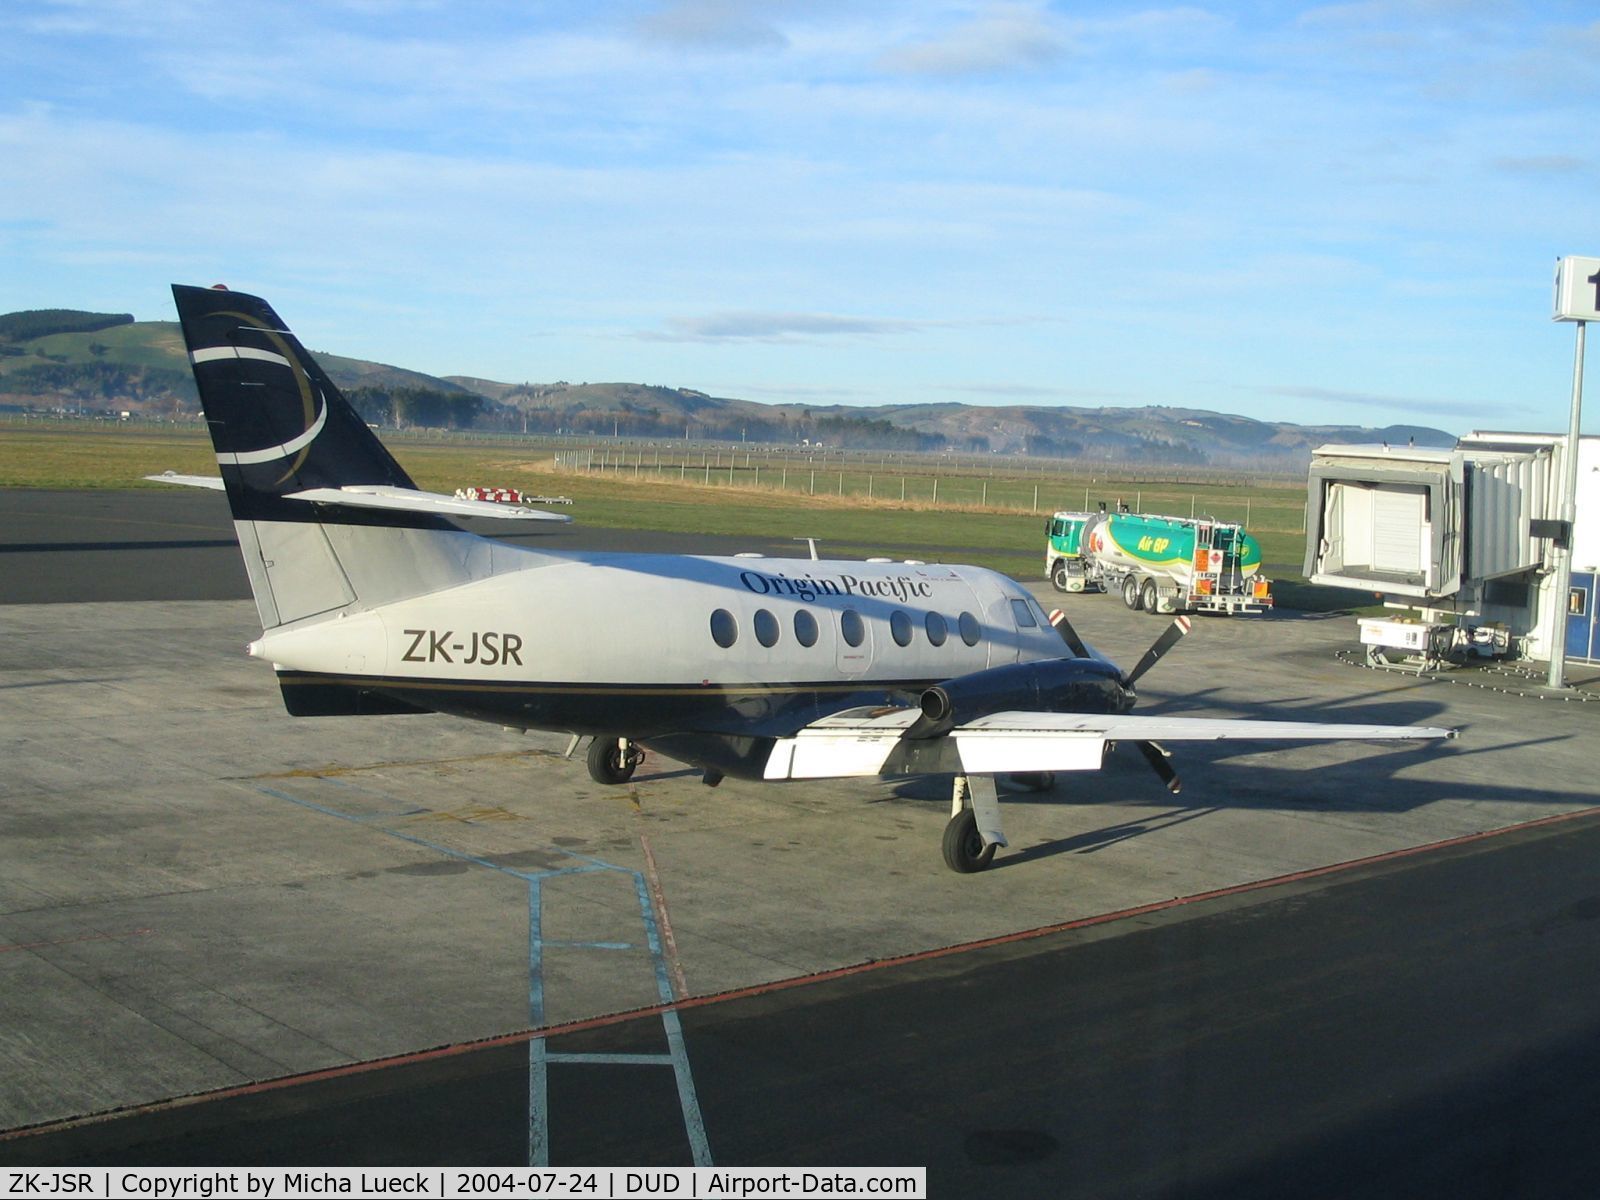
pixel 1058 575
pixel 1130 592
pixel 1148 599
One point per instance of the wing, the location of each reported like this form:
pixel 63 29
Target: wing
pixel 869 741
pixel 382 496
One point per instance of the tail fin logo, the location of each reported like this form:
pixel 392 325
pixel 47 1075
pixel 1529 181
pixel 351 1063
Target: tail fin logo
pixel 314 405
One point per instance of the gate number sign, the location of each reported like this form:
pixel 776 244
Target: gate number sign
pixel 1577 289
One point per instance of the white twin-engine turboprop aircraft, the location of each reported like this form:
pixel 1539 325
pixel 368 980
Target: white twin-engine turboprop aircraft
pixel 373 601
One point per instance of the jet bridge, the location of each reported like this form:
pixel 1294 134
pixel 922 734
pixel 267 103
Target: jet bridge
pixel 1462 535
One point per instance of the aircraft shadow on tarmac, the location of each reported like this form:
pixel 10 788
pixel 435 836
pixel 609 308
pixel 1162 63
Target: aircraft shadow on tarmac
pixel 1360 783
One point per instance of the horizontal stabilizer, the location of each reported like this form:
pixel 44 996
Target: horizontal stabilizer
pixel 214 482
pixel 408 500
pixel 383 496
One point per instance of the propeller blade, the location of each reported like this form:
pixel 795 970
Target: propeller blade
pixel 1165 642
pixel 1069 635
pixel 1157 758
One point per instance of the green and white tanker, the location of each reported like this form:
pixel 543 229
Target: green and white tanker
pixel 1159 564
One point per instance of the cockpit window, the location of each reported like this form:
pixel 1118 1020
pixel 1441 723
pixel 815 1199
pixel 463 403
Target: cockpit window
pixel 1023 615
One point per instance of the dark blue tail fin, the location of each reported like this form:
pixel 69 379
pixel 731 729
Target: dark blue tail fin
pixel 277 421
pixel 327 520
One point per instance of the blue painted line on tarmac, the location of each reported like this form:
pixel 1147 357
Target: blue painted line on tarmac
pixel 693 1123
pixel 539 1054
pixel 538 1050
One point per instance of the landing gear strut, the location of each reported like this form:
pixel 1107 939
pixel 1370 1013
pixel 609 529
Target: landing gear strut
pixel 613 760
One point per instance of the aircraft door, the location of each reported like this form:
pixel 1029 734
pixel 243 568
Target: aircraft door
pixel 1582 641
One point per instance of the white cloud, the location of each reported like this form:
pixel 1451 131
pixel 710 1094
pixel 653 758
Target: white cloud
pixel 1001 38
pixel 724 25
pixel 777 326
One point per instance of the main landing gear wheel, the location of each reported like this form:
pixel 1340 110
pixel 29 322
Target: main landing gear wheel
pixel 964 850
pixel 1059 577
pixel 1130 592
pixel 1147 598
pixel 613 760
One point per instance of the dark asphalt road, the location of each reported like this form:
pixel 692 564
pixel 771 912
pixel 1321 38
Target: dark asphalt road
pixel 177 544
pixel 1425 1026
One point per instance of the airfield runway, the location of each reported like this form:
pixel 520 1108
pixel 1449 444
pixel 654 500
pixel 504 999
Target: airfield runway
pixel 1325 970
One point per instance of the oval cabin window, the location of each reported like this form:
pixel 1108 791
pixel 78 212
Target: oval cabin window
pixel 851 627
pixel 724 629
pixel 900 626
pixel 971 631
pixel 766 627
pixel 805 628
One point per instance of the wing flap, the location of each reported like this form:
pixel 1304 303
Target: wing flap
pixel 867 742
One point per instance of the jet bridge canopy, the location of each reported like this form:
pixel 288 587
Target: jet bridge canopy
pixel 1423 523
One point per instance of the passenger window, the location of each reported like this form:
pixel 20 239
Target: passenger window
pixel 900 626
pixel 724 629
pixel 766 627
pixel 971 631
pixel 805 628
pixel 937 629
pixel 851 627
pixel 1023 615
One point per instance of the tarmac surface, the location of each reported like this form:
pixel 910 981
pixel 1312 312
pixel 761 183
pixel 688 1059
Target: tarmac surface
pixel 303 926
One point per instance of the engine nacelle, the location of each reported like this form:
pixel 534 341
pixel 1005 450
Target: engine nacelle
pixel 1085 685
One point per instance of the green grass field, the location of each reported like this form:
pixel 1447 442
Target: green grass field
pixel 989 514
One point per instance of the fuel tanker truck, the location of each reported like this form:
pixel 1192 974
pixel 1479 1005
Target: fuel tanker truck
pixel 1159 564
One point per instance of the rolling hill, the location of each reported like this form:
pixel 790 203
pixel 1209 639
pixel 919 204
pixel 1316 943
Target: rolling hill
pixel 72 360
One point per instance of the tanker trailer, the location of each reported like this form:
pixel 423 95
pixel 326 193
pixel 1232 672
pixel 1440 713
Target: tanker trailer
pixel 1159 564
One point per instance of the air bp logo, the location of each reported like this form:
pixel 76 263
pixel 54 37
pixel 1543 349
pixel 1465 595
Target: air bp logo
pixel 313 405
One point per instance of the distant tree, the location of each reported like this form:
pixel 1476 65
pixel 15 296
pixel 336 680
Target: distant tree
pixel 42 322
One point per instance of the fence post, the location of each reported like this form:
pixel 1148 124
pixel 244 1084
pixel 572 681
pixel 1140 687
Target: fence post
pixel 935 490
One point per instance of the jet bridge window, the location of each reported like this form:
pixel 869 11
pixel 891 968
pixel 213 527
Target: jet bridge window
pixel 900 626
pixel 805 628
pixel 724 629
pixel 971 631
pixel 766 627
pixel 937 628
pixel 851 627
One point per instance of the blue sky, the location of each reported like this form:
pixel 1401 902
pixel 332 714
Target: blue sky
pixel 1343 213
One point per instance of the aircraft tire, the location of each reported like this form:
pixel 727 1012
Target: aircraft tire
pixel 964 850
pixel 1147 598
pixel 1130 592
pixel 1058 576
pixel 608 764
